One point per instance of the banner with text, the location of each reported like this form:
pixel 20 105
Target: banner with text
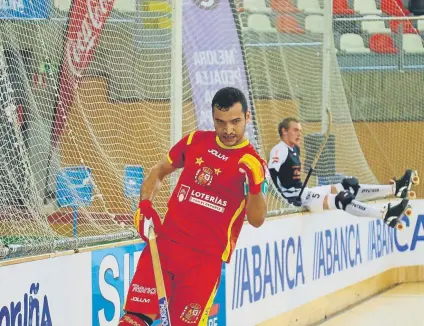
pixel 85 24
pixel 213 55
pixel 48 292
pixel 291 261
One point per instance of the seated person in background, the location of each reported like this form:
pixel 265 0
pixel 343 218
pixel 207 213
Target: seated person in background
pixel 285 166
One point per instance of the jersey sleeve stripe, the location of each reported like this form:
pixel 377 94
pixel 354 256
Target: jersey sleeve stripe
pixel 169 159
pixel 227 250
pixel 190 137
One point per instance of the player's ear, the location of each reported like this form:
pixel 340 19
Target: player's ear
pixel 248 117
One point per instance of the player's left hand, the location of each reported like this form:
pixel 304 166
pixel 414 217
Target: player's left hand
pixel 144 217
pixel 255 172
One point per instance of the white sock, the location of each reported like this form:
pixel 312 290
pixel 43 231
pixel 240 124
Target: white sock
pixel 369 192
pixel 363 210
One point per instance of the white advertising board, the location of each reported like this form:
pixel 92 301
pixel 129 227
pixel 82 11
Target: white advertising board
pixel 291 261
pixel 286 263
pixel 47 292
pixel 80 289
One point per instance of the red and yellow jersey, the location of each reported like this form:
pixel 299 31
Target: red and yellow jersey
pixel 207 208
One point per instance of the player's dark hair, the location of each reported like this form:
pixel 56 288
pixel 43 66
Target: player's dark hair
pixel 285 124
pixel 228 96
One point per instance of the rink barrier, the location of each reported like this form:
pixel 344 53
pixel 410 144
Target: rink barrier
pixel 295 270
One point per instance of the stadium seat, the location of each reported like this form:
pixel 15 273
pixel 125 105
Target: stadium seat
pixel 285 6
pixel 341 7
pixel 394 8
pixel 366 7
pixel 353 43
pixel 420 25
pixel 374 26
pixel 256 5
pixel 412 43
pixel 407 27
pixel 309 6
pixel 382 43
pixel 314 24
pixel 288 24
pixel 260 23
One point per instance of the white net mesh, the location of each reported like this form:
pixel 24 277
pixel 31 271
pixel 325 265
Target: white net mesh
pixel 118 122
pixel 294 75
pixel 381 60
pixel 66 166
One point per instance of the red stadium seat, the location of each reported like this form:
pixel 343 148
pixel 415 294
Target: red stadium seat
pixel 288 24
pixel 394 8
pixel 408 28
pixel 382 43
pixel 340 7
pixel 283 6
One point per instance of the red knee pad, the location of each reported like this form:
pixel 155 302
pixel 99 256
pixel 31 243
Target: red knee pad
pixel 131 320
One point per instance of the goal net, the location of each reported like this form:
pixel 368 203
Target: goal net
pixel 381 63
pixel 295 72
pixel 95 92
pixel 86 112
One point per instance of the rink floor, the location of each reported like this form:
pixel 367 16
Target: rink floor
pixel 402 305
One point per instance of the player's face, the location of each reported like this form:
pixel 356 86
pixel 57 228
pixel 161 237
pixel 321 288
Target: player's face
pixel 293 134
pixel 230 125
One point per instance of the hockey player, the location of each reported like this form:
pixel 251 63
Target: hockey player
pixel 223 181
pixel 285 166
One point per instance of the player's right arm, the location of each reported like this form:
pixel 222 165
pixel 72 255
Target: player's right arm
pixel 153 181
pixel 174 160
pixel 146 214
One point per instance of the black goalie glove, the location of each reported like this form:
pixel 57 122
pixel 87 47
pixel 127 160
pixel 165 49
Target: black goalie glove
pixel 343 199
pixel 351 184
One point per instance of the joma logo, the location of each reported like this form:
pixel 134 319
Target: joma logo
pixel 214 152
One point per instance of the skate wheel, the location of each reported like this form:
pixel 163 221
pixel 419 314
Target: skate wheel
pixel 408 212
pixel 416 180
pixel 400 226
pixel 412 195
